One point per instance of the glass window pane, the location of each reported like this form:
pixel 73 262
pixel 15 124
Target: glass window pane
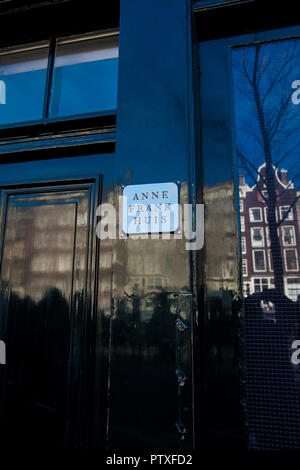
pixel 84 76
pixel 286 213
pixel 291 260
pixel 259 260
pixel 257 237
pixel 255 215
pixel 22 83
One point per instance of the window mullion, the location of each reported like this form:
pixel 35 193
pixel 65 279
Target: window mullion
pixel 49 78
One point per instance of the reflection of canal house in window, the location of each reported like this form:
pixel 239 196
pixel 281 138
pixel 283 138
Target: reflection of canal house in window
pixel 257 263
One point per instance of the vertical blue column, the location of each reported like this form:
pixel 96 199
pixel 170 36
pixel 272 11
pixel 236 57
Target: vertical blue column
pixel 149 409
pixel 153 91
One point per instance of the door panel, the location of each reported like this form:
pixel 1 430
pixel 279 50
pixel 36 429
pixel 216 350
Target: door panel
pixel 45 311
pixel 254 116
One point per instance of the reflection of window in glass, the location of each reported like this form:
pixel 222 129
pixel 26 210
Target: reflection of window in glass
pixel 85 75
pixel 246 289
pixel 259 260
pixel 270 260
pixel 257 236
pixel 243 243
pixel 288 235
pixel 23 77
pixel 155 282
pixel 291 262
pixel 64 263
pixel 43 239
pixel 242 224
pixel 19 249
pixel 65 218
pixel 241 205
pixel 64 239
pixel 244 267
pixel 293 288
pixel 266 214
pixel 260 284
pixel 286 211
pixel 255 214
pixel 268 241
pixel 43 263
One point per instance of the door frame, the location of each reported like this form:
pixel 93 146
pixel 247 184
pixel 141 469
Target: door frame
pixel 81 364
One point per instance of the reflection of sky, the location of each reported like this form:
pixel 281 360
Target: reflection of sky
pixel 278 66
pixel 84 80
pixel 22 67
pixel 24 97
pixel 84 87
pixel 88 56
pixel 24 75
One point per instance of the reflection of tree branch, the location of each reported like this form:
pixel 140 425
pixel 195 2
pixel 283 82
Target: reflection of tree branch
pixel 289 185
pixel 246 163
pixel 287 213
pixel 245 71
pixel 289 151
pixel 273 81
pixel 281 112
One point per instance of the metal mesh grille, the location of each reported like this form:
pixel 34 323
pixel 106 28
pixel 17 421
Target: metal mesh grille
pixel 267 124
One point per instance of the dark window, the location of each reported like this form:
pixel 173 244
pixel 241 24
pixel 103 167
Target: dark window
pixel 291 260
pixel 255 215
pixel 259 260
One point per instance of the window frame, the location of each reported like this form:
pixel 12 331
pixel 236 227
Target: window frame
pixel 46 120
pixel 244 267
pixel 253 260
pixel 283 227
pixel 270 260
pixel 253 242
pixel 266 214
pixel 267 285
pixel 250 214
pixel 243 245
pixel 285 259
pixel 242 223
pixel 290 215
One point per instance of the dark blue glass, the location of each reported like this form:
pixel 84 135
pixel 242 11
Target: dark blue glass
pixel 85 76
pixel 22 83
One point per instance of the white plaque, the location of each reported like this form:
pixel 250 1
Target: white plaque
pixel 150 208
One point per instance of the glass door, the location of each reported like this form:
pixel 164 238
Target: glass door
pixel 250 111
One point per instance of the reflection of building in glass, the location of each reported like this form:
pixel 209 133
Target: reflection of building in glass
pixel 220 238
pixel 41 250
pixel 257 259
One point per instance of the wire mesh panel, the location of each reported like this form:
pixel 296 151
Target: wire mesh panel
pixel 266 84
